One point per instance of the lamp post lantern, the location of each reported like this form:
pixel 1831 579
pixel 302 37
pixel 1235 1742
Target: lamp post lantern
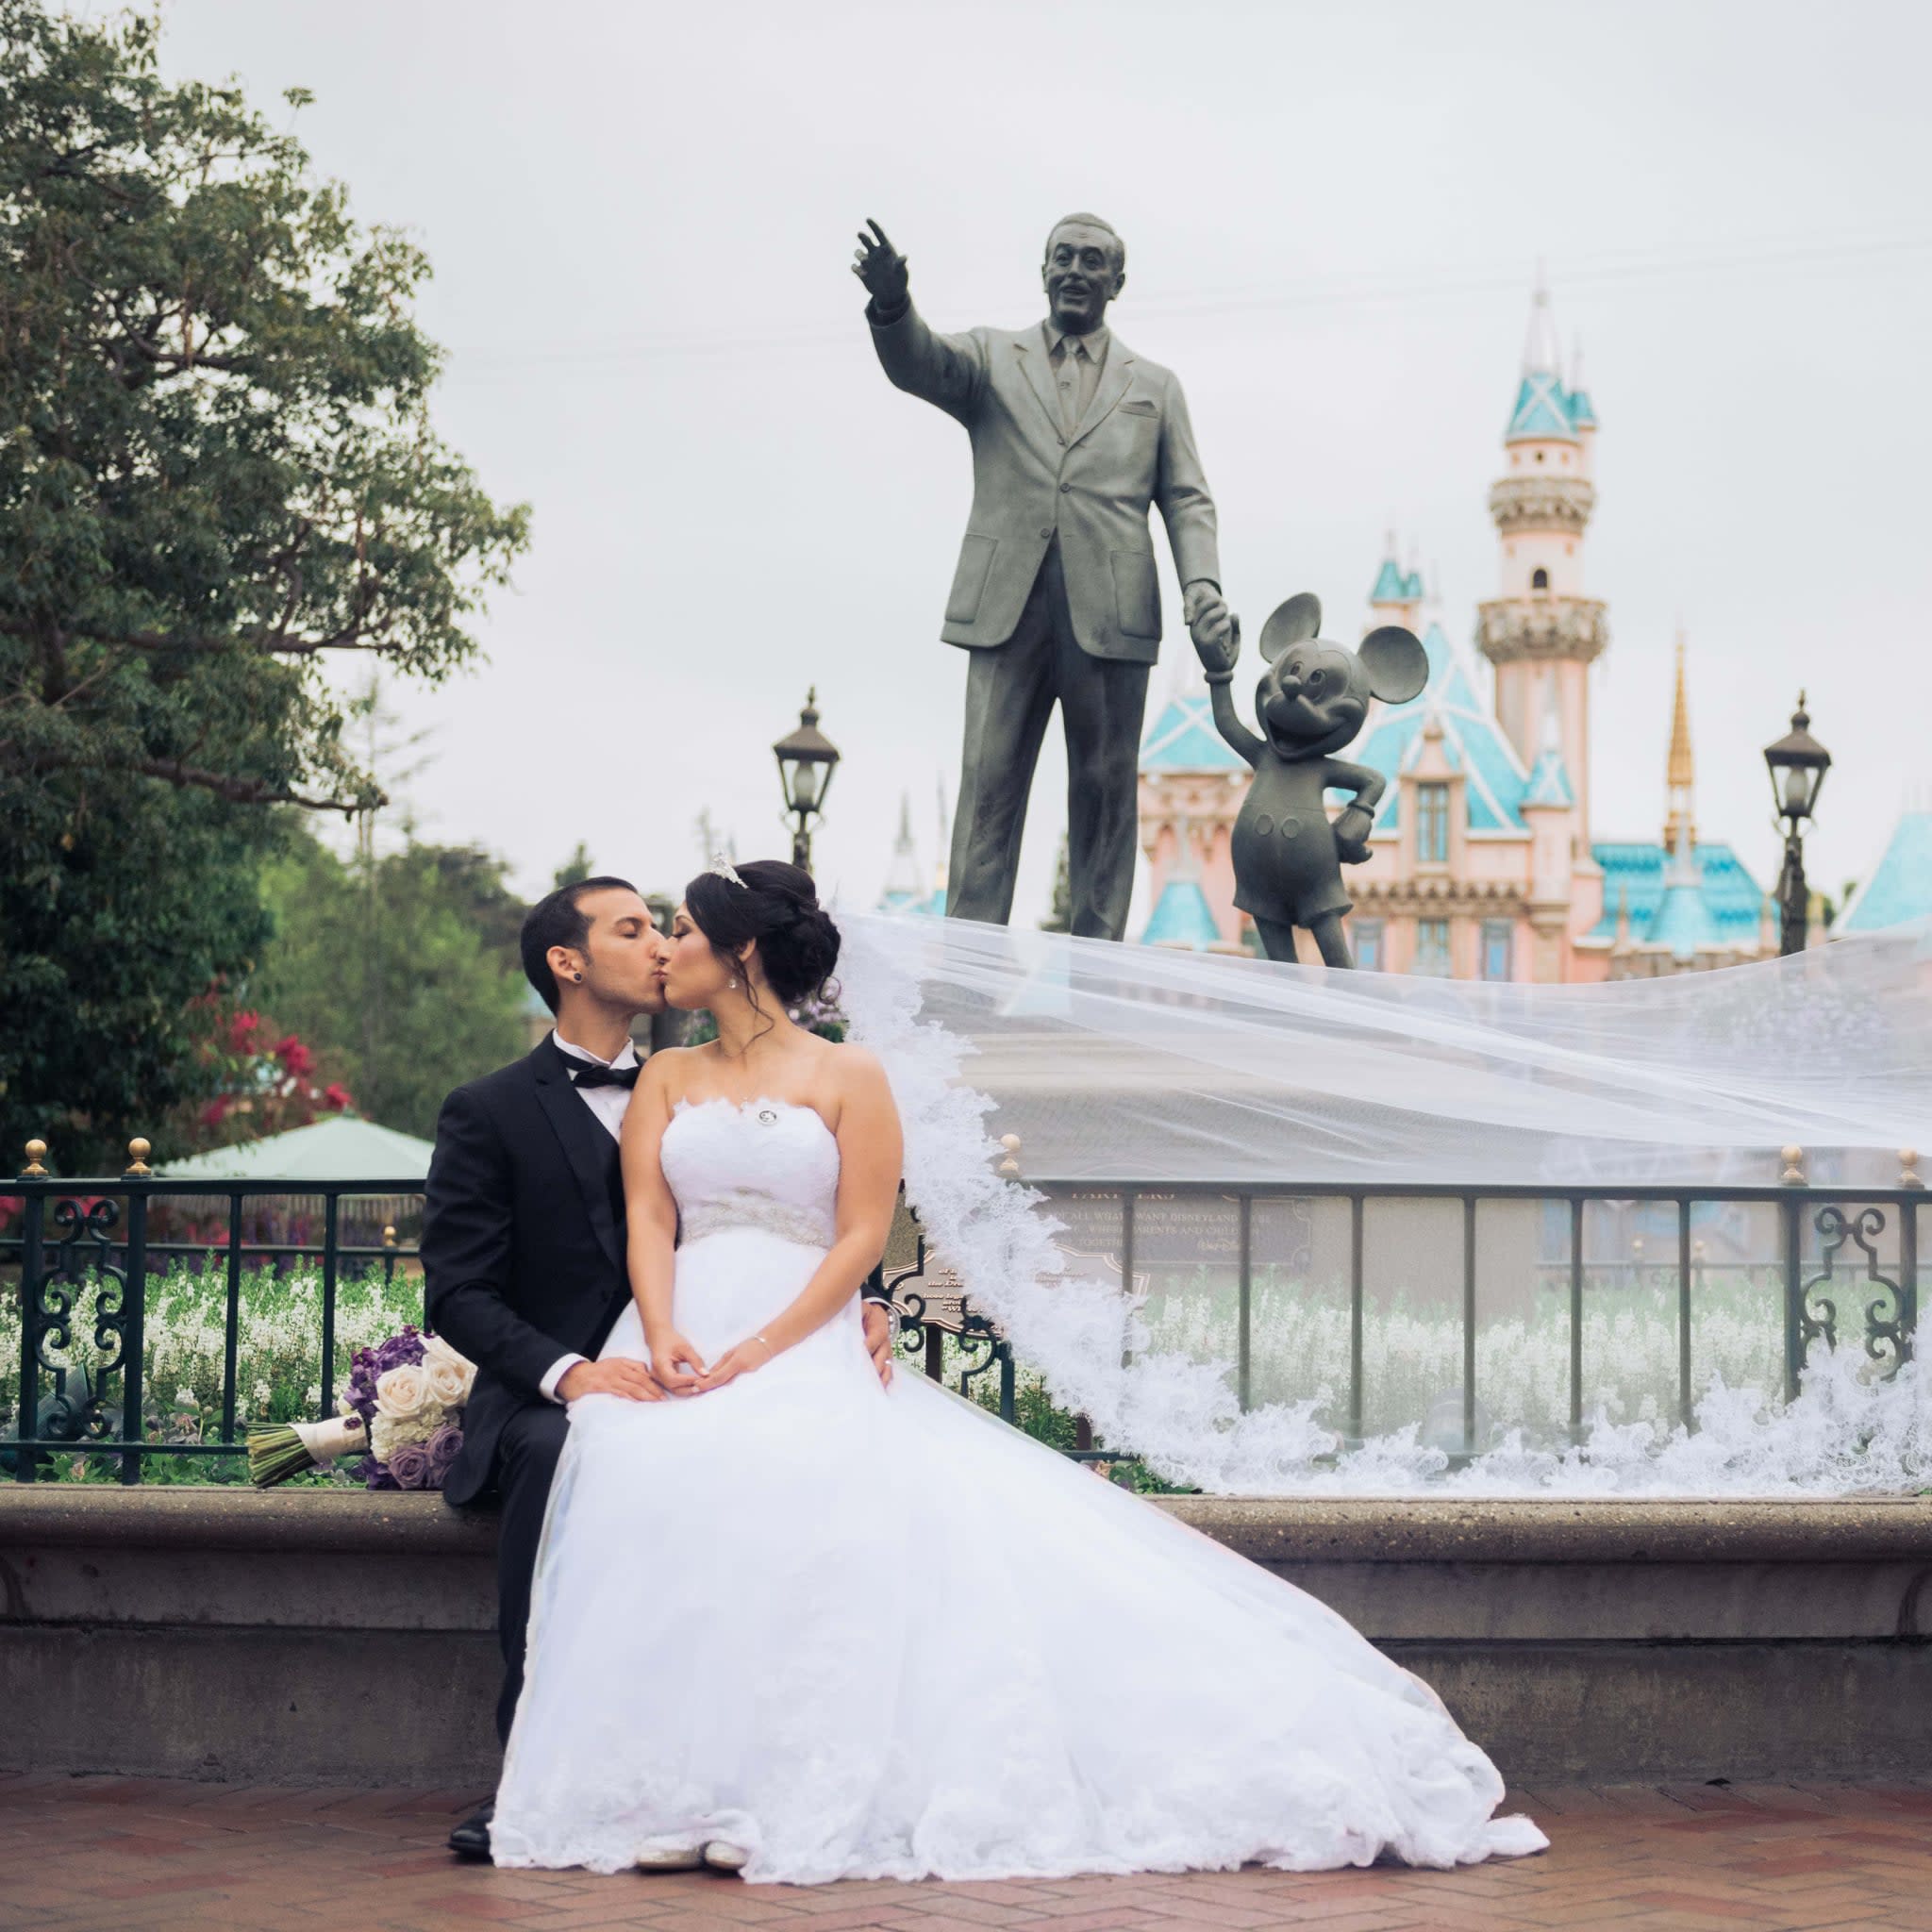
pixel 1798 764
pixel 806 761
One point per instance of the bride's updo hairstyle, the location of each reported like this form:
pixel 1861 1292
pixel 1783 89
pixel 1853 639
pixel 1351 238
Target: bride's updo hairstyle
pixel 778 906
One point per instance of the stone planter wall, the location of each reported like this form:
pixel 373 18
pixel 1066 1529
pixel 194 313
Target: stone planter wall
pixel 312 1635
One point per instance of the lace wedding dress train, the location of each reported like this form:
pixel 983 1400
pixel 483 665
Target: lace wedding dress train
pixel 871 1633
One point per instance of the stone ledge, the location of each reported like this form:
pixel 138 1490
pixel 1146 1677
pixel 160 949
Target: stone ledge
pixel 1566 1530
pixel 219 1632
pixel 1268 1529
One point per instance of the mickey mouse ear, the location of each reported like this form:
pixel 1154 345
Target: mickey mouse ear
pixel 1397 665
pixel 1293 622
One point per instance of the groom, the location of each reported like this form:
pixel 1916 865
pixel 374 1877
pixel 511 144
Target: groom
pixel 524 1236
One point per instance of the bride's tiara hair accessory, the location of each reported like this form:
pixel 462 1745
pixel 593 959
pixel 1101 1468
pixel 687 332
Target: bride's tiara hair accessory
pixel 725 870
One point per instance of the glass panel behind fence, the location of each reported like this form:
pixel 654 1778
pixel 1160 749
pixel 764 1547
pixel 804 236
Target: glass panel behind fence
pixel 1737 1297
pixel 1299 1344
pixel 1186 1273
pixel 1522 1320
pixel 1412 1316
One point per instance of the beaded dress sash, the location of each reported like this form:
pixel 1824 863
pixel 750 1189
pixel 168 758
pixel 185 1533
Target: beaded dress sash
pixel 747 1207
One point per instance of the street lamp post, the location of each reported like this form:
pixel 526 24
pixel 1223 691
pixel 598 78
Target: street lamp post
pixel 806 761
pixel 1798 764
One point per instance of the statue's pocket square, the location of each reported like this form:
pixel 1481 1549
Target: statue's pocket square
pixel 1141 406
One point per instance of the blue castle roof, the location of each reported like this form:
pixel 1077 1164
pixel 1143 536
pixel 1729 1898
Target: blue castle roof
pixel 1549 781
pixel 1543 410
pixel 1900 886
pixel 1393 585
pixel 1473 741
pixel 1183 739
pixel 1725 907
pixel 1684 920
pixel 1181 918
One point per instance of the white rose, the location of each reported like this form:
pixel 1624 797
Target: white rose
pixel 401 1391
pixel 434 1349
pixel 449 1382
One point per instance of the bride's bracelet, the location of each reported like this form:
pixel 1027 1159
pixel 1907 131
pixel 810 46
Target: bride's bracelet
pixel 769 1351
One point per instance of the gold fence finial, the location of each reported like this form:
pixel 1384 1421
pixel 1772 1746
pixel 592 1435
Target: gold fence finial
pixel 1793 1158
pixel 388 1233
pixel 1009 1167
pixel 36 1154
pixel 138 1151
pixel 1909 1168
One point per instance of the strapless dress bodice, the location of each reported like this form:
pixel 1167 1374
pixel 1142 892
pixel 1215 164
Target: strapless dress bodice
pixel 764 1164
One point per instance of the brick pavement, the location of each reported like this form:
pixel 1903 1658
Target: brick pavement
pixel 139 1854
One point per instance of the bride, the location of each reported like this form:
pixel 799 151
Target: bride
pixel 800 1626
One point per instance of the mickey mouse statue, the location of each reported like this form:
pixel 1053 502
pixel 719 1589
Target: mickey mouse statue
pixel 1311 701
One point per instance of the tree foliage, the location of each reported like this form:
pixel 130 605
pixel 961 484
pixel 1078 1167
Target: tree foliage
pixel 398 971
pixel 115 921
pixel 217 473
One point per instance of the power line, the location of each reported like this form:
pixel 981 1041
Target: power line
pixel 1337 293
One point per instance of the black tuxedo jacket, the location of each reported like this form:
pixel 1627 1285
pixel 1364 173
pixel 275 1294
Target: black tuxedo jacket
pixel 523 1242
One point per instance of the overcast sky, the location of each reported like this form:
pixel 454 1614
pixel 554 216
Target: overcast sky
pixel 640 218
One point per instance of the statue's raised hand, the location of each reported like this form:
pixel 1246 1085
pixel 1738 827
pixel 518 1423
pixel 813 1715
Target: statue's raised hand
pixel 881 268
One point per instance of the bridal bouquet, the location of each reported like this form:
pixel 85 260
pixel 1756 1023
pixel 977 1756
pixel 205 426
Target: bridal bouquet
pixel 402 1411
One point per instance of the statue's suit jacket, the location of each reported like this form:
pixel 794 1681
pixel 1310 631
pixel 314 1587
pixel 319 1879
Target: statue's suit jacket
pixel 1031 481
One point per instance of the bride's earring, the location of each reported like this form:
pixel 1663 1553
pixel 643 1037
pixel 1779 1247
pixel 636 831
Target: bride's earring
pixel 733 985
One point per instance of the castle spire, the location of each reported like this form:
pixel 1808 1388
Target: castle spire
pixel 1540 355
pixel 904 885
pixel 1680 773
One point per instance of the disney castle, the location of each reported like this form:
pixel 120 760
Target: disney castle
pixel 1483 863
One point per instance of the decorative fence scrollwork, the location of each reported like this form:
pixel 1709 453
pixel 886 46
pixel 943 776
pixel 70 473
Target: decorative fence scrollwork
pixel 75 1256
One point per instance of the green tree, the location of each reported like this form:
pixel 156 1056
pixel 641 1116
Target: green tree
pixel 115 921
pixel 575 869
pixel 217 470
pixel 397 972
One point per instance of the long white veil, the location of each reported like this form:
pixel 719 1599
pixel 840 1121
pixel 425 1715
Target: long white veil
pixel 1116 1063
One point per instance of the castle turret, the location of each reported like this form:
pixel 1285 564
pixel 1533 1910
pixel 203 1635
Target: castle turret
pixel 1549 810
pixel 1540 632
pixel 1396 596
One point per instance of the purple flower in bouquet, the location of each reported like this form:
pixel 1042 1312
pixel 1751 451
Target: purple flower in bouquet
pixel 409 1466
pixel 404 1347
pixel 443 1447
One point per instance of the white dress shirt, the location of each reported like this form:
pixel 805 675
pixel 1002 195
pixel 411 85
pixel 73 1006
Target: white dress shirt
pixel 608 1105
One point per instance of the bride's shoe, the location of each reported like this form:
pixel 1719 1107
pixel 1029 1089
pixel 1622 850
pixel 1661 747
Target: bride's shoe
pixel 720 1855
pixel 665 1856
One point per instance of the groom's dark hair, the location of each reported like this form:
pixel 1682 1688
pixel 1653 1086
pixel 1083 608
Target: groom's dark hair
pixel 557 920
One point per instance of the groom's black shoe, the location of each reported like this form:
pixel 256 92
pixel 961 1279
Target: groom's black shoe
pixel 471 1838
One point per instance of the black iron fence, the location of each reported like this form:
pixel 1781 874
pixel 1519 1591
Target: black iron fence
pixel 83 1257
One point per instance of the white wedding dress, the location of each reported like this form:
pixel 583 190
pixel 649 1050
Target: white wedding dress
pixel 871 1634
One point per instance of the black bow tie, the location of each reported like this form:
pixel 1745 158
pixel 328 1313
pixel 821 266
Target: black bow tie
pixel 588 1073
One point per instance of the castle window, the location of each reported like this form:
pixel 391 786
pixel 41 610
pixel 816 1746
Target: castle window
pixel 1495 961
pixel 1539 578
pixel 1432 824
pixel 1368 944
pixel 1432 948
